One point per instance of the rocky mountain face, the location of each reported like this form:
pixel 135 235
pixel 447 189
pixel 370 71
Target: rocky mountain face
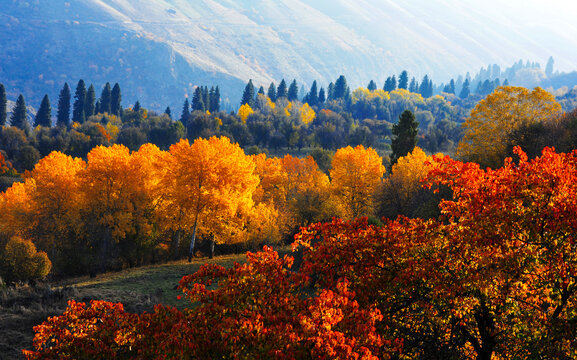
pixel 159 50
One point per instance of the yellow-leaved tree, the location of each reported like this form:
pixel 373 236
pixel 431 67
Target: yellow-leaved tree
pixel 210 181
pixel 356 174
pixel 492 121
pixel 244 111
pixel 402 192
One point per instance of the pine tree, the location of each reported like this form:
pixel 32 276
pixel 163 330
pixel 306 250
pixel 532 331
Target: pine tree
pixel 44 114
pixel 331 91
pixel 261 90
pixel 3 105
pixel 115 100
pixel 413 87
pixel 248 94
pixel 322 96
pixel 405 133
pixel 282 90
pixel 205 97
pixel 185 112
pixel 19 115
pixel 63 116
pixel 97 107
pixel 465 91
pixel 89 106
pixel 105 99
pixel 271 93
pixel 293 91
pixel 313 96
pixel 215 100
pixel 372 86
pixel 78 109
pixel 426 88
pixel 136 107
pixel 341 90
pixel 390 84
pixel 403 80
pixel 197 100
pixel 168 112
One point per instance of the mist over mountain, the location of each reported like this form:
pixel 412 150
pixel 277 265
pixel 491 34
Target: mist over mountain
pixel 159 50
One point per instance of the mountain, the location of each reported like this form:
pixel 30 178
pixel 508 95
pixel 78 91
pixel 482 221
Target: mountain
pixel 159 50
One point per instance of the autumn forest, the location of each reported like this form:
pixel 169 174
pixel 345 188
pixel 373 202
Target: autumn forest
pixel 422 225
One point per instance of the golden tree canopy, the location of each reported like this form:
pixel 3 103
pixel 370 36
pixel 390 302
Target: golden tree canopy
pixel 488 128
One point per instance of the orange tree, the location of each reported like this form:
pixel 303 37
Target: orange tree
pixel 494 277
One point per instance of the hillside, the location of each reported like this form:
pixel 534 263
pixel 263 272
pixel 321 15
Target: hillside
pixel 158 50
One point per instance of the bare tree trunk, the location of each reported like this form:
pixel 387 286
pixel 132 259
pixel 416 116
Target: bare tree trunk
pixel 192 240
pixel 211 246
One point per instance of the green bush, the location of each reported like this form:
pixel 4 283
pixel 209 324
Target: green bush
pixel 21 262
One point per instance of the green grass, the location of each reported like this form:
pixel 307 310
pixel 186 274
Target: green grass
pixel 141 288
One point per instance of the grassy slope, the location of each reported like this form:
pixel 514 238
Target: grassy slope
pixel 139 289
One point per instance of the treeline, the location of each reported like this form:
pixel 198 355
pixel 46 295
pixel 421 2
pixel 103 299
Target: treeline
pixel 120 208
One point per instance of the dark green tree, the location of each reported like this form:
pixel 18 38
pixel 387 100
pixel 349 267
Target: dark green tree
pixel 390 84
pixel 105 98
pixel 331 91
pixel 136 107
pixel 205 97
pixel 115 100
pixel 405 136
pixel 293 91
pixel 215 100
pixel 248 94
pixel 372 86
pixel 465 91
pixel 185 112
pixel 414 85
pixel 426 87
pixel 63 116
pixel 322 96
pixel 79 106
pixel 260 90
pixel 403 80
pixel 19 115
pixel 3 105
pixel 282 90
pixel 313 96
pixel 168 112
pixel 44 114
pixel 341 90
pixel 89 104
pixel 271 93
pixel 197 100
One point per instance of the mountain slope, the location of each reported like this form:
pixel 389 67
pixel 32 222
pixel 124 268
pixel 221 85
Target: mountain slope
pixel 158 50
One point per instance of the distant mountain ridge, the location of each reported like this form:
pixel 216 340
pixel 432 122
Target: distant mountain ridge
pixel 159 50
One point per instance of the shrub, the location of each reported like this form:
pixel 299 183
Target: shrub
pixel 21 262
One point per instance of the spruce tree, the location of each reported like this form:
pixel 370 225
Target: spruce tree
pixel 465 91
pixel 248 94
pixel 394 83
pixel 403 80
pixel 293 91
pixel 341 89
pixel 136 107
pixel 19 115
pixel 63 116
pixel 89 104
pixel 331 91
pixel 282 90
pixel 168 112
pixel 549 67
pixel 405 133
pixel 313 96
pixel 185 112
pixel 322 96
pixel 197 100
pixel 105 97
pixel 44 114
pixel 372 86
pixel 413 87
pixel 215 100
pixel 115 100
pixel 261 90
pixel 3 105
pixel 271 93
pixel 78 108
